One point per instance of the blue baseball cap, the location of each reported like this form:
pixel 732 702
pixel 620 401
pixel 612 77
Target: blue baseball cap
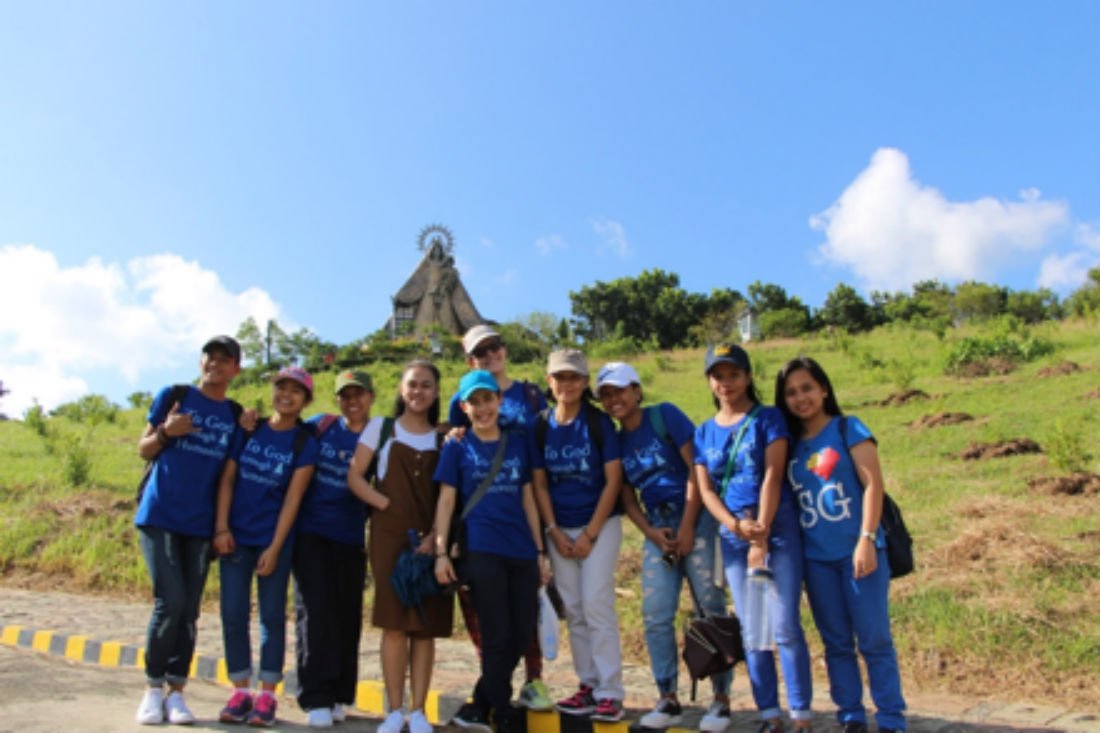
pixel 473 381
pixel 727 354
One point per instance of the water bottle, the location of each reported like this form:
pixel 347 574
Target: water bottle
pixel 759 603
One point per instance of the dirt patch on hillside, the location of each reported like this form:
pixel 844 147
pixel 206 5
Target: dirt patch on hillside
pixel 986 367
pixel 1000 544
pixel 904 397
pixel 1093 395
pixel 1077 483
pixel 1058 370
pixel 1001 449
pixel 940 419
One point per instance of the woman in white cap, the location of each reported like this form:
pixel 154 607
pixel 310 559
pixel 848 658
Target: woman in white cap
pixel 658 456
pixel 520 403
pixel 486 477
pixel 740 462
pixel 577 477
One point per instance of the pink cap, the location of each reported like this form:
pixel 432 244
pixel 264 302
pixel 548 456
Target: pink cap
pixel 299 375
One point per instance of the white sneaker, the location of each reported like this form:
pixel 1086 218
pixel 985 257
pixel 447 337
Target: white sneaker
pixel 176 709
pixel 668 712
pixel 151 709
pixel 319 718
pixel 418 723
pixel 339 712
pixel 717 718
pixel 393 723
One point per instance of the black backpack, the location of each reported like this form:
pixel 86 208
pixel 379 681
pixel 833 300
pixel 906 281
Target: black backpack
pixel 179 391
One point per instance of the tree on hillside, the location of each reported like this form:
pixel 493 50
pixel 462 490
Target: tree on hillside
pixel 978 301
pixel 845 308
pixel 543 324
pixel 251 340
pixel 652 305
pixel 1085 300
pixel 1033 306
pixel 781 315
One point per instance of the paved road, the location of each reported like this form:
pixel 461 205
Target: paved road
pixel 40 691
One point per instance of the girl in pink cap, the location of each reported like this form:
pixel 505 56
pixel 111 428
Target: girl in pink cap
pixel 261 489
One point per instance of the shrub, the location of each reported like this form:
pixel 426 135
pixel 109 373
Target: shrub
pixel 92 409
pixel 1004 348
pixel 77 460
pixel 1066 447
pixel 35 419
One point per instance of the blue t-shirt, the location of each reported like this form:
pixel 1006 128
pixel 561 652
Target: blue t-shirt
pixel 497 524
pixel 829 494
pixel 265 465
pixel 180 494
pixel 515 408
pixel 329 508
pixel 574 467
pixel 713 443
pixel 652 464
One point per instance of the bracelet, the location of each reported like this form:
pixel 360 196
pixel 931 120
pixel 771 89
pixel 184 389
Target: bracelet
pixel 550 528
pixel 868 535
pixel 542 552
pixel 589 537
pixel 441 554
pixel 162 435
pixel 220 532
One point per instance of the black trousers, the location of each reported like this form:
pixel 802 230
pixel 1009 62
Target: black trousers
pixel 328 604
pixel 505 593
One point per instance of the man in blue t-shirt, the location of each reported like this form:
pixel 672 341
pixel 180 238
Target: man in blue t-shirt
pixel 186 439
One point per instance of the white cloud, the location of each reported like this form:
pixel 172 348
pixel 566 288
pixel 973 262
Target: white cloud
pixel 1064 272
pixel 893 231
pixel 508 277
pixel 614 237
pixel 59 323
pixel 550 243
pixel 1088 235
pixel 486 242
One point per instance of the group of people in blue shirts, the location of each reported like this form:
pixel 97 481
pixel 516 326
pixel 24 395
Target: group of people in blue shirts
pixel 535 484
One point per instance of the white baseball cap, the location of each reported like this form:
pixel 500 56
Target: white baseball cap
pixel 617 374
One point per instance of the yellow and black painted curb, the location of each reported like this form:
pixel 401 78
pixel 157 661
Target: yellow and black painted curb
pixel 369 698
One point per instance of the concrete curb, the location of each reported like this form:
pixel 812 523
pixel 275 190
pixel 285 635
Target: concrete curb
pixel 370 696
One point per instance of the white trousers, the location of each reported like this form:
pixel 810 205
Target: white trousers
pixel 587 589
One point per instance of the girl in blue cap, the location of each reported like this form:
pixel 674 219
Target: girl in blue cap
pixel 658 459
pixel 839 486
pixel 486 477
pixel 740 457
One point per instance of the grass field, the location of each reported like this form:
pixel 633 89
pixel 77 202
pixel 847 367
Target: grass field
pixel 1007 574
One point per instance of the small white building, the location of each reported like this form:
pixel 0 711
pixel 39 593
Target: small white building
pixel 748 326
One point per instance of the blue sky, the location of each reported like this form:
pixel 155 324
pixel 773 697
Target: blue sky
pixel 169 169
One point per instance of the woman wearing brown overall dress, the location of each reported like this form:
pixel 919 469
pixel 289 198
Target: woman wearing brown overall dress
pixel 405 499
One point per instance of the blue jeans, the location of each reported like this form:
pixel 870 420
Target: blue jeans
pixel 237 571
pixel 177 567
pixel 661 586
pixel 849 611
pixel 785 561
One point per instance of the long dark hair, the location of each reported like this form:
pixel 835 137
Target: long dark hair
pixel 399 403
pixel 794 425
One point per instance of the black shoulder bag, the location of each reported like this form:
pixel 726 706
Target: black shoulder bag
pixel 899 543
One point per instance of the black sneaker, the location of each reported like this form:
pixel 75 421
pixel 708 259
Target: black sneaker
pixel 472 718
pixel 856 727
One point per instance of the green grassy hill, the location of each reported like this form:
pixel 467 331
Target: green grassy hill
pixel 1008 571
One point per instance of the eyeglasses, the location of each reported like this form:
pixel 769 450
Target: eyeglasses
pixel 482 350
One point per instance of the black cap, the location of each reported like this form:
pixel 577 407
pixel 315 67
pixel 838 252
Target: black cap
pixel 227 344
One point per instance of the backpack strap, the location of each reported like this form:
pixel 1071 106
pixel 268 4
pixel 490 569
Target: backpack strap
pixel 592 418
pixel 542 425
pixel 300 439
pixel 385 434
pixel 321 426
pixel 531 391
pixel 736 445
